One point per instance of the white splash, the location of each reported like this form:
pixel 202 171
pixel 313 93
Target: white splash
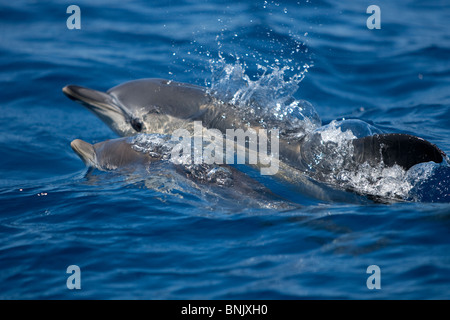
pixel 328 157
pixel 267 100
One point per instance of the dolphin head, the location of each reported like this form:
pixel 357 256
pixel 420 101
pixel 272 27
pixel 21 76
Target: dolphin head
pixel 107 108
pixel 134 107
pixel 111 154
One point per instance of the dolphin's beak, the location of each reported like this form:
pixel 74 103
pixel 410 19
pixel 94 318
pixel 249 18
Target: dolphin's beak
pixel 86 95
pixel 85 151
pixel 102 105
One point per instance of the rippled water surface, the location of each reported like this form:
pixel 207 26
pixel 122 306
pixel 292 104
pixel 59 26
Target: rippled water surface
pixel 159 234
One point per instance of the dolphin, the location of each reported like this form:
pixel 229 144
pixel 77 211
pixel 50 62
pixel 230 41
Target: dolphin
pixel 161 106
pixel 144 153
pixel 141 152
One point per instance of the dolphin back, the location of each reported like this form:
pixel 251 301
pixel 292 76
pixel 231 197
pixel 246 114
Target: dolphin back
pixel 161 97
pixel 394 148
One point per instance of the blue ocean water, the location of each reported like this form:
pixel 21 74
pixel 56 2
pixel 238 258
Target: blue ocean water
pixel 162 237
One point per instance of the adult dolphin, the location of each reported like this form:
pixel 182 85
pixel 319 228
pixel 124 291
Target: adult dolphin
pixel 161 106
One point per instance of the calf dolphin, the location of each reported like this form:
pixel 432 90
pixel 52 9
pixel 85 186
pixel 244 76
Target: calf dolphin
pixel 161 106
pixel 145 152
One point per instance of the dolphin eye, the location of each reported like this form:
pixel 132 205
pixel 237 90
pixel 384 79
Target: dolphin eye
pixel 136 125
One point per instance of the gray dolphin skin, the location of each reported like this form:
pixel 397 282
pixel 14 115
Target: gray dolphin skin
pixel 121 155
pixel 147 105
pixel 161 106
pixel 110 154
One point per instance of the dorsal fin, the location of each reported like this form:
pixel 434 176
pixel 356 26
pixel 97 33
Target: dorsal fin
pixel 395 148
